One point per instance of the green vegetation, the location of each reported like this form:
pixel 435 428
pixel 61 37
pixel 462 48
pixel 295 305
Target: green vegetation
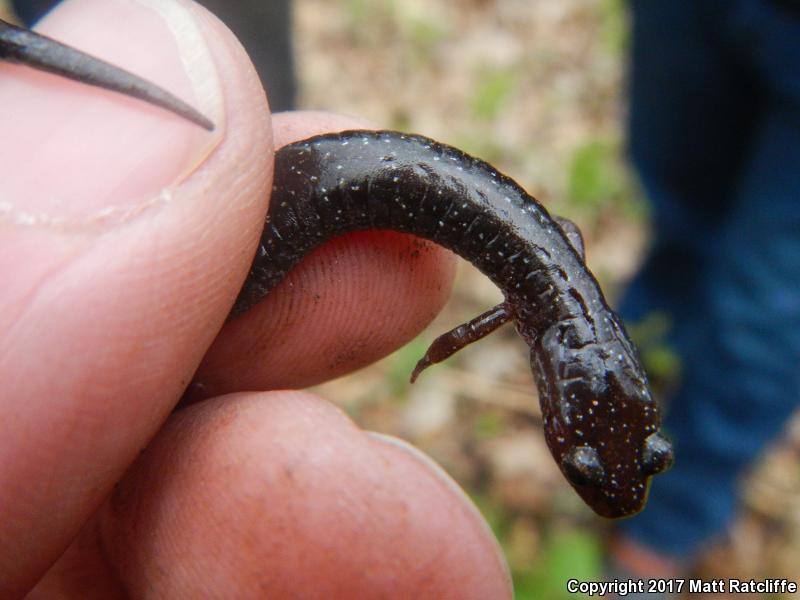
pixel 489 424
pixel 565 555
pixel 418 32
pixel 661 362
pixel 614 28
pixel 597 179
pixel 424 33
pixel 400 365
pixel 492 92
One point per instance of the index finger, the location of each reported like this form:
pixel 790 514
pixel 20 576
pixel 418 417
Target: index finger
pixel 351 301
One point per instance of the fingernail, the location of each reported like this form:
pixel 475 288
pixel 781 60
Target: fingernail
pixel 73 155
pixel 195 55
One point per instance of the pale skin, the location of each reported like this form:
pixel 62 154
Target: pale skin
pixel 114 292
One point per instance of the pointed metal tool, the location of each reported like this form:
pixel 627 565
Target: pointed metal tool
pixel 25 47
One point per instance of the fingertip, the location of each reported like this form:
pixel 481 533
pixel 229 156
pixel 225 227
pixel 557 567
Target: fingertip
pixel 297 125
pixel 474 524
pixel 280 492
pixel 349 303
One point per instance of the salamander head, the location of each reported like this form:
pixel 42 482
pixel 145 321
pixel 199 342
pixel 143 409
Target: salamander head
pixel 602 424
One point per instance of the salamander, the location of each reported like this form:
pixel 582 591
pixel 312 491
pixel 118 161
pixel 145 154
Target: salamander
pixel 600 420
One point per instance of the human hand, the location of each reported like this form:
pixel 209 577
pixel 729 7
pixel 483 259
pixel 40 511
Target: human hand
pixel 126 234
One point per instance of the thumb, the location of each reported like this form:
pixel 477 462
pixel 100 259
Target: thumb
pixel 125 234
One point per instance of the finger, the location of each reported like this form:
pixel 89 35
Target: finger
pixel 348 303
pixel 279 495
pixel 126 235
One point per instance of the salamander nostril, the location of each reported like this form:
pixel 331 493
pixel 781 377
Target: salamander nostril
pixel 657 456
pixel 582 466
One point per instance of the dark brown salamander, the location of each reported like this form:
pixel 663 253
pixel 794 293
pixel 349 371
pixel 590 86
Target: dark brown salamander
pixel 600 421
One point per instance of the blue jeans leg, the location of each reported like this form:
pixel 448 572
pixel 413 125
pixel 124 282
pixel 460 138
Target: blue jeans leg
pixel 738 319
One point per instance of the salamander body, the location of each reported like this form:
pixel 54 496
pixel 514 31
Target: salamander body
pixel 600 421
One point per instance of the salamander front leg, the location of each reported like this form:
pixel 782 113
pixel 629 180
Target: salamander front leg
pixel 454 340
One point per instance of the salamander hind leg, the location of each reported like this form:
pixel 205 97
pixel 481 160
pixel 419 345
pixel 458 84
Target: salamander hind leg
pixel 447 344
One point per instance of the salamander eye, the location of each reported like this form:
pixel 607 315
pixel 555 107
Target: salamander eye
pixel 582 466
pixel 657 455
